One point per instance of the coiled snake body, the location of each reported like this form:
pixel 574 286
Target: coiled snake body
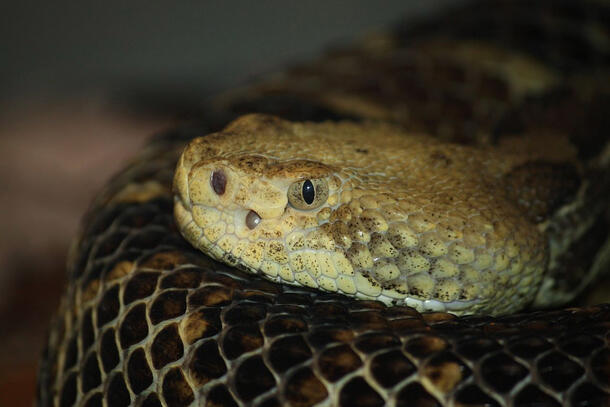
pixel 458 169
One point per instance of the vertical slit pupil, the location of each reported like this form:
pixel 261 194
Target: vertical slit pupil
pixel 219 182
pixel 309 192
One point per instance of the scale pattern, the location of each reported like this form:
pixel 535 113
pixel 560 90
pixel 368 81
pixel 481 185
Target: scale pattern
pixel 150 321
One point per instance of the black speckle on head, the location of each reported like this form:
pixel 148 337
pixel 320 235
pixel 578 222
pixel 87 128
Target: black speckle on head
pixel 219 182
pixel 309 192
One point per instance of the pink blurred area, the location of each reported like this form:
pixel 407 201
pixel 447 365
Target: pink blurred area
pixel 54 156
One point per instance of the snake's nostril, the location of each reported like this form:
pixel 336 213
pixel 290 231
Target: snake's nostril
pixel 252 219
pixel 218 181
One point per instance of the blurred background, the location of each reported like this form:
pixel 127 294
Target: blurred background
pixel 83 84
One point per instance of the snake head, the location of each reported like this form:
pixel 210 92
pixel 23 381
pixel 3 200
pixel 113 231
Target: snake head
pixel 361 209
pixel 239 204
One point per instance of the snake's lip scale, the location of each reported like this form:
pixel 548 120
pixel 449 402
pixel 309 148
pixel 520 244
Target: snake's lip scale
pixel 500 112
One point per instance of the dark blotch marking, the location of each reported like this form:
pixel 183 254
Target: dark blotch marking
pixel 109 306
pixel 324 336
pixel 445 371
pixel 587 394
pixel 241 339
pixel 413 395
pixel 90 375
pixel 166 347
pixel 288 352
pixel 531 395
pixel 141 285
pixel 391 367
pixel 476 348
pixel 207 363
pixel 502 373
pixel 71 354
pixel 246 313
pixel 152 401
pixel 168 305
pixel 338 361
pixel 220 396
pixel 424 346
pixel 303 388
pixel 138 371
pixel 253 378
pixel 472 395
pixel 219 182
pixel 87 333
pixel 68 392
pixel 109 244
pixel 183 278
pixel 108 351
pixel 362 150
pixel 210 296
pixel 373 342
pixel 559 372
pixel 581 345
pixel 176 391
pixel 284 325
pixel 117 392
pixel 358 393
pixel 600 366
pixel 134 327
pixel 95 400
pixel 529 348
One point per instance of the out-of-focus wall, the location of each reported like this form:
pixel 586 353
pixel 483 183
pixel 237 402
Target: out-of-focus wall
pixel 204 45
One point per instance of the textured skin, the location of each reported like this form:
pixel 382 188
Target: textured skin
pixel 408 220
pixel 148 320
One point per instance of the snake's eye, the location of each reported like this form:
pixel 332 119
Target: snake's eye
pixel 308 194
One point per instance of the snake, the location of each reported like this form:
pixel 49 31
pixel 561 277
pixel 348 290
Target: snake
pixel 414 220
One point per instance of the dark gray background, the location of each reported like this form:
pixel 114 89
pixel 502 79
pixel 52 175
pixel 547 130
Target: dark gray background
pixel 49 48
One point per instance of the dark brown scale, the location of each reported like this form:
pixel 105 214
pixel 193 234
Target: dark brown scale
pixel 168 305
pixel 303 388
pixel 90 375
pixel 178 316
pixel 166 347
pixel 134 327
pixel 253 378
pixel 502 373
pixel 109 352
pixel 176 390
pixel 207 363
pixel 138 371
pixel 287 352
pixel 140 286
pixel 390 368
pixel 336 362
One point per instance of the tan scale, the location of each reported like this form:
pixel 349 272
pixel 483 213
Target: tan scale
pixel 396 226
